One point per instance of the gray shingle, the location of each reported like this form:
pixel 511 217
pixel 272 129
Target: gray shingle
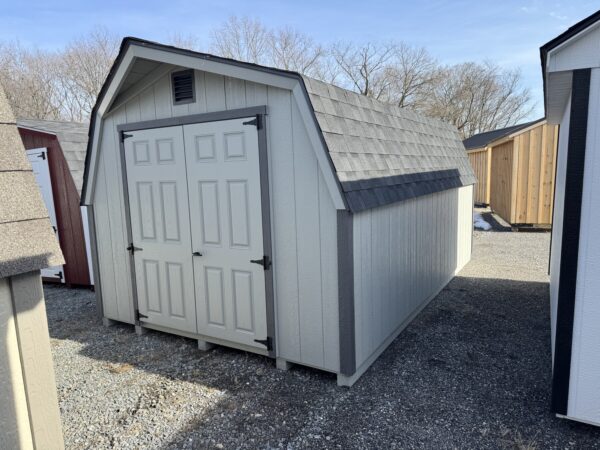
pixel 385 142
pixel 27 241
pixel 72 138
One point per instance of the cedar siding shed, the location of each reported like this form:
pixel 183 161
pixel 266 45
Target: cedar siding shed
pixel 571 72
pixel 57 151
pixel 259 209
pixel 29 414
pixel 515 169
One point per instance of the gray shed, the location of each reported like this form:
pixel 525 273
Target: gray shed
pixel 259 209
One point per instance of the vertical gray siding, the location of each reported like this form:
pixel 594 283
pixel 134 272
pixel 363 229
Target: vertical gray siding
pixel 404 254
pixel 303 215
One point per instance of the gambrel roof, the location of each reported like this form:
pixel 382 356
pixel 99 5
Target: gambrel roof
pixel 27 241
pixel 378 153
pixel 72 138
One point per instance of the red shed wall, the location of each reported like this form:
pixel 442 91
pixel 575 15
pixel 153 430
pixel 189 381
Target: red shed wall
pixel 66 203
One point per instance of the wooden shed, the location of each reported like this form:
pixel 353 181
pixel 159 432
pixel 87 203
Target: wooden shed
pixel 29 414
pixel 515 171
pixel 259 209
pixel 56 151
pixel 571 71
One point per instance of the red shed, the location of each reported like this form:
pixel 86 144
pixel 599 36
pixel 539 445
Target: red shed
pixel 57 154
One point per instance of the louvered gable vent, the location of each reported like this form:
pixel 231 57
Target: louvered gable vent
pixel 183 86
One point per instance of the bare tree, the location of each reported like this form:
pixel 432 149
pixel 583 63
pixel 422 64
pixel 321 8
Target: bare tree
pixel 187 41
pixel 29 80
pixel 84 66
pixel 479 97
pixel 243 39
pixel 410 75
pixel 364 66
pixel 292 50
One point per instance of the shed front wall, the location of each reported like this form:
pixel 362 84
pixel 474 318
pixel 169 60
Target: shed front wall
pixel 535 179
pixel 303 217
pixel 481 163
pixel 501 186
pixel 404 254
pixel 29 414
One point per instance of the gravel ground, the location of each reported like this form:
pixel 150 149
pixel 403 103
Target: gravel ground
pixel 472 371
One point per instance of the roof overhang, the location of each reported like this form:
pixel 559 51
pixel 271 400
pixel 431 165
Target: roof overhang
pixel 576 48
pixel 117 90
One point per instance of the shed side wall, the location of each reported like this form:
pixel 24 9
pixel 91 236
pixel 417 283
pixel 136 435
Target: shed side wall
pixel 584 392
pixel 479 161
pixel 66 202
pixel 302 213
pixel 404 254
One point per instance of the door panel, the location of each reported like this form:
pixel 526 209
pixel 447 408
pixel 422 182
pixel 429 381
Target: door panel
pixel 226 227
pixel 160 226
pixel 39 163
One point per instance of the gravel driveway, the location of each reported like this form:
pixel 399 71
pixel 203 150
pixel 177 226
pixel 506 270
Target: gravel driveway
pixel 472 371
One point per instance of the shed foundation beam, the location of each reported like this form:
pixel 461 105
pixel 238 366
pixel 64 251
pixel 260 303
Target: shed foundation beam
pixel 283 364
pixel 205 346
pixel 108 322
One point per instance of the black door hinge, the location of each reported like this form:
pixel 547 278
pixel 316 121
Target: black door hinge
pixel 42 155
pixel 125 136
pixel 132 248
pixel 139 315
pixel 257 122
pixel 268 342
pixel 59 274
pixel 265 261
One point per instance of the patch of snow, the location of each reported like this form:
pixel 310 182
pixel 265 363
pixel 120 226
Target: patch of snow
pixel 479 222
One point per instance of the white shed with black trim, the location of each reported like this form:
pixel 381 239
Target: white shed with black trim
pixel 255 208
pixel 571 70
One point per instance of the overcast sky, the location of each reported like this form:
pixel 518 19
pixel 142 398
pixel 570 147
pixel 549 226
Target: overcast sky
pixel 507 32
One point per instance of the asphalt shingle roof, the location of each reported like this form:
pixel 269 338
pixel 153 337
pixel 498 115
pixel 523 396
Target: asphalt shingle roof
pixel 27 241
pixel 483 139
pixel 383 153
pixel 72 137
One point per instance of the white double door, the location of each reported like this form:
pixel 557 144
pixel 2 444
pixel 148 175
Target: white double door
pixel 196 221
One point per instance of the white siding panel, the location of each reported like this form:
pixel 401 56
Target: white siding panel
pixel 404 254
pixel 306 302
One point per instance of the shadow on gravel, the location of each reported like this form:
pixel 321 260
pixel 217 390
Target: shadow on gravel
pixel 492 219
pixel 472 371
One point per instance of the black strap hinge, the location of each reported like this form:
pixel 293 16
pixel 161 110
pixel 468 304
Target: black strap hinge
pixel 59 274
pixel 268 342
pixel 139 315
pixel 132 248
pixel 265 261
pixel 257 122
pixel 42 155
pixel 125 136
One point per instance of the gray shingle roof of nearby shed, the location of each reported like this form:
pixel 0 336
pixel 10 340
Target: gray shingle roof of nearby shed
pixel 483 139
pixel 383 153
pixel 72 137
pixel 27 241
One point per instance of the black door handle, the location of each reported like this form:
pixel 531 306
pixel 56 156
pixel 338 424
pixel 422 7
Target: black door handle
pixel 196 254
